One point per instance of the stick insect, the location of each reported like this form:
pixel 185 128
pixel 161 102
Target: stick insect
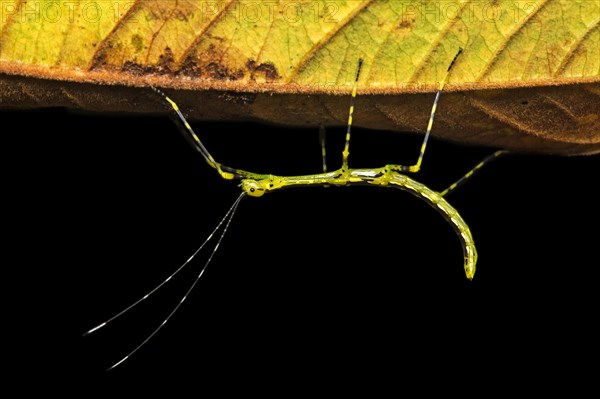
pixel 256 185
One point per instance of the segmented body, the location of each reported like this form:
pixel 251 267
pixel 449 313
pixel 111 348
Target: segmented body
pixel 383 177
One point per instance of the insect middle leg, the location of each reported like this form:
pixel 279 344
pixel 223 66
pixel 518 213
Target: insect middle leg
pixel 417 166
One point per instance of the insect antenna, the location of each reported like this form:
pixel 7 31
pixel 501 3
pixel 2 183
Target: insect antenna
pixel 227 220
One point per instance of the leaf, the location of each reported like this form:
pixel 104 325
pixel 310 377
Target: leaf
pixel 529 78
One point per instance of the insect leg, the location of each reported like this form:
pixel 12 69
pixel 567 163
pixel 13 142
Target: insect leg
pixel 417 166
pixel 322 141
pixel 470 173
pixel 346 151
pixel 188 133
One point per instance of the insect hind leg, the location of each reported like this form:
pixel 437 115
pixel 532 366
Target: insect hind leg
pixel 470 173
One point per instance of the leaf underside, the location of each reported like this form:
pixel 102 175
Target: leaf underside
pixel 528 79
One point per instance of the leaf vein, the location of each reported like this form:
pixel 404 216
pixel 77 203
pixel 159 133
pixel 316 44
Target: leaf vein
pixel 11 18
pixel 571 52
pixel 511 34
pixel 96 58
pixel 252 73
pixel 157 32
pixel 435 44
pixel 200 36
pixel 326 38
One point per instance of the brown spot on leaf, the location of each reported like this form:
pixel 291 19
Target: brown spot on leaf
pixel 166 61
pixel 217 71
pixel 406 24
pixel 99 60
pixel 135 68
pixel 211 63
pixel 137 42
pixel 269 70
pixel 189 67
pixel 237 75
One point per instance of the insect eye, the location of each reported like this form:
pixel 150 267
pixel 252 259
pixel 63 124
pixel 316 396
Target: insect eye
pixel 253 188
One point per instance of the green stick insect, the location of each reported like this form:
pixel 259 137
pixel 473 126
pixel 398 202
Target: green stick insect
pixel 256 185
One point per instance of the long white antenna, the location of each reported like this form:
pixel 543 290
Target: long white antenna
pixel 227 218
pixel 232 209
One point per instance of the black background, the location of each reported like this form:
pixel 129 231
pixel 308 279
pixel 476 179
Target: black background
pixel 313 284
